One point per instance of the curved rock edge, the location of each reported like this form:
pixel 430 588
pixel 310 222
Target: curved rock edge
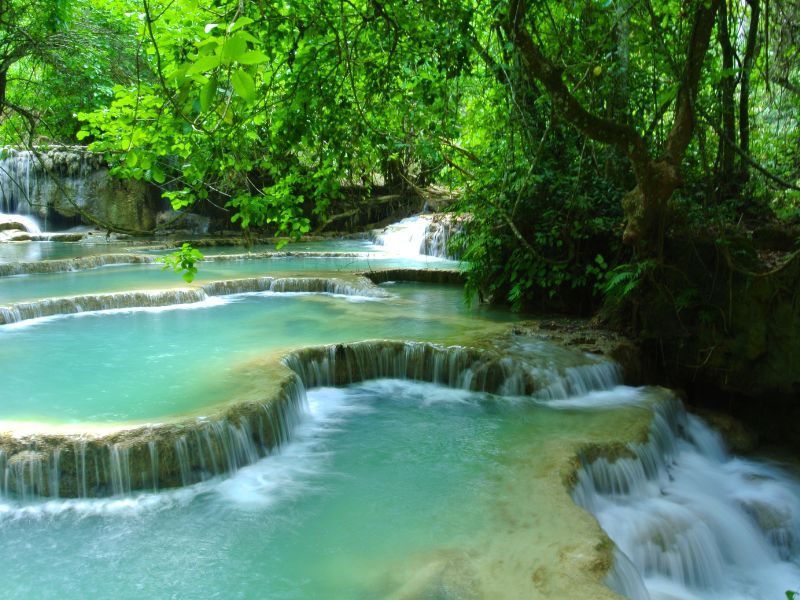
pixel 85 263
pixel 159 298
pixel 194 449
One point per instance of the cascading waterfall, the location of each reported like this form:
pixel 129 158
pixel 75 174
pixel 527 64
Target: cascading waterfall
pixel 456 367
pixel 688 519
pixel 63 265
pixel 38 309
pixel 18 223
pixel 417 235
pixel 18 182
pixel 691 521
pixel 151 458
pixel 158 457
pixel 26 182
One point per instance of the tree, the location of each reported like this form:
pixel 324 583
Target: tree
pixel 58 57
pixel 657 177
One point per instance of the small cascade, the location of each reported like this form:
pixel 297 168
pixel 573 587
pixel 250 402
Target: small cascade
pixel 12 224
pixel 406 237
pixel 64 265
pixel 691 521
pixel 280 254
pixel 101 260
pixel 23 311
pixel 150 458
pixel 27 183
pixel 360 286
pixel 580 381
pixel 456 367
pixel 426 235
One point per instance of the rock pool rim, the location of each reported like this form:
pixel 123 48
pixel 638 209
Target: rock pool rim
pixel 352 286
pixel 250 426
pixel 333 364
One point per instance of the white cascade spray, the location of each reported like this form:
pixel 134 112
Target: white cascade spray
pixel 690 520
pixel 420 235
pixel 406 237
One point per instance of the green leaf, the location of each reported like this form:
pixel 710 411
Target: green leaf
pixel 203 64
pixel 82 134
pixel 207 94
pixel 157 173
pixel 244 85
pixel 235 46
pixel 240 22
pixel 254 57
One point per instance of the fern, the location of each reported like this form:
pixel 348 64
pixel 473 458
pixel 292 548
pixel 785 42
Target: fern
pixel 624 279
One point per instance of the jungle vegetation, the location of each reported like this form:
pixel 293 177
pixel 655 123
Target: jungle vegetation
pixel 580 136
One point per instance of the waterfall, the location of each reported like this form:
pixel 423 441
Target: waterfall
pixel 49 307
pixel 27 185
pixel 152 457
pixel 18 223
pixel 61 185
pixel 580 381
pixel 19 182
pixel 63 265
pixel 426 235
pixel 457 367
pixel 187 452
pixel 688 519
pixel 23 311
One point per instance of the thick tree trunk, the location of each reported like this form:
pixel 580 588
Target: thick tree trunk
pixel 3 84
pixel 725 176
pixel 750 52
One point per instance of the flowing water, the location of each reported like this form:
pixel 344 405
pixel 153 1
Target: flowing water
pixel 119 277
pixel 194 354
pixel 389 487
pixel 384 488
pixel 415 236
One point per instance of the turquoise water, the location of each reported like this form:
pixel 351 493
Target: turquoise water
pixel 333 245
pixel 113 278
pixel 33 251
pixel 145 364
pixel 389 487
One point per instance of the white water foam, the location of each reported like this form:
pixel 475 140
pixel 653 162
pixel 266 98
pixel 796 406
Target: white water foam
pixel 691 521
pixel 283 475
pixel 30 224
pixel 406 237
pixel 414 237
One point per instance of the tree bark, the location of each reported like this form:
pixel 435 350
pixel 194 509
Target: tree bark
pixel 3 85
pixel 750 52
pixel 725 175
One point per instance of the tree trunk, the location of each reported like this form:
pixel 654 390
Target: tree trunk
pixel 750 52
pixel 3 84
pixel 725 176
pixel 616 167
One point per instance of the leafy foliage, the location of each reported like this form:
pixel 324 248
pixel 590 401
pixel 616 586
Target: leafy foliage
pixel 266 111
pixel 183 261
